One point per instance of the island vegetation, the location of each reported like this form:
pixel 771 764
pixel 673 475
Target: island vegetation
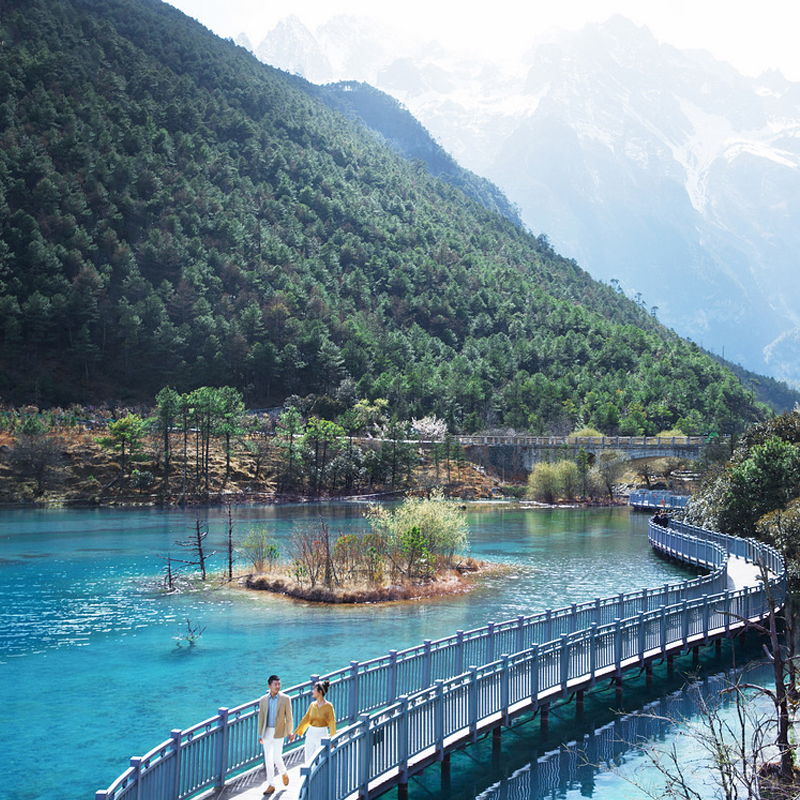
pixel 416 549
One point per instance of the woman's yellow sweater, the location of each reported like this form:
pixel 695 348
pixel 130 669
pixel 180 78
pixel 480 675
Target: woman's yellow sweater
pixel 319 717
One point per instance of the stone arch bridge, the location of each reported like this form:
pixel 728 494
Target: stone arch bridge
pixel 513 455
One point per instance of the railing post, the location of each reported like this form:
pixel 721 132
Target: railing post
pixel 354 699
pixel 727 602
pixel 534 675
pixel 459 652
pixel 305 772
pixel 548 618
pixel 222 747
pixel 618 644
pixel 705 617
pixel 402 739
pixel 438 716
pixel 472 711
pixel 573 618
pixel 427 664
pixel 520 633
pixel 391 684
pixel 564 662
pixel 365 762
pixel 685 621
pixel 504 687
pixel 641 636
pixel 593 651
pixel 490 643
pixel 663 631
pixel 597 611
pixel 177 737
pixel 136 763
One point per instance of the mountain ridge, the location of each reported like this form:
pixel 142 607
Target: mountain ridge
pixel 663 168
pixel 176 213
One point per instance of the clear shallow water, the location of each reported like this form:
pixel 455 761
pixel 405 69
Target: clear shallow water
pixel 90 673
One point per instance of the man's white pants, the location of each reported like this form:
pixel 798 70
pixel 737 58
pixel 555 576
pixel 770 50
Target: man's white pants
pixel 273 754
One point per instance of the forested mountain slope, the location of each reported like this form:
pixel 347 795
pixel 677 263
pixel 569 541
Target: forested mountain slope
pixel 382 113
pixel 174 212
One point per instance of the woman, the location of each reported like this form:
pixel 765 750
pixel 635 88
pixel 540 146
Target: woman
pixel 319 721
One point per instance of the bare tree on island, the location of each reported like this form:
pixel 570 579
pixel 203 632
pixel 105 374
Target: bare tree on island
pixel 194 544
pixel 230 541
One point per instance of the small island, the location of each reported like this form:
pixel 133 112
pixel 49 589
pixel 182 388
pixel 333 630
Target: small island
pixel 414 550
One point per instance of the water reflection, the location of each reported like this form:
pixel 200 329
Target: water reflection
pixel 87 650
pixel 599 754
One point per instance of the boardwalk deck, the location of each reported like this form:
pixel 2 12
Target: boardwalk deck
pixel 407 710
pixel 740 574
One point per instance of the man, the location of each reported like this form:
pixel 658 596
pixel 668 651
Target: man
pixel 274 722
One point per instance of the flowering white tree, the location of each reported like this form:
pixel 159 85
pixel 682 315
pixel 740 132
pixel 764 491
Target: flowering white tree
pixel 430 429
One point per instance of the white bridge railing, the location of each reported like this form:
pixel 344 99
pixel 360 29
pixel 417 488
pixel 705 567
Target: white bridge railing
pixel 523 440
pixel 407 707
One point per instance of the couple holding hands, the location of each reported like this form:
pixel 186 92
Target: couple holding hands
pixel 275 722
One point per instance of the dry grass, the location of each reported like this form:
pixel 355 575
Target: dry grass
pixel 458 580
pixel 89 472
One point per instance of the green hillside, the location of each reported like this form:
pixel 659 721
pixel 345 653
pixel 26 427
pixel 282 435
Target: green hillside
pixel 173 212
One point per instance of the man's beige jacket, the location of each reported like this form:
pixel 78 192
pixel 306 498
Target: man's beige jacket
pixel 284 723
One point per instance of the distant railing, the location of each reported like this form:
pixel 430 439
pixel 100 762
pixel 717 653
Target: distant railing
pixel 588 441
pixel 649 499
pixel 404 706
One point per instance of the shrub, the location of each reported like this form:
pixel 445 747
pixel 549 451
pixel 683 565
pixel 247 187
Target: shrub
pixel 259 549
pixel 440 525
pixel 566 478
pixel 542 482
pixel 586 432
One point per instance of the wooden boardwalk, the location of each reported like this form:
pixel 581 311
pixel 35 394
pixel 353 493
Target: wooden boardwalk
pixel 741 574
pixel 251 785
pixel 404 711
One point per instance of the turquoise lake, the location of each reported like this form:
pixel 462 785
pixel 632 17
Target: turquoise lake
pixel 91 674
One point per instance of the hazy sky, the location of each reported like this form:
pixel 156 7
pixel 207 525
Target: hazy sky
pixel 753 35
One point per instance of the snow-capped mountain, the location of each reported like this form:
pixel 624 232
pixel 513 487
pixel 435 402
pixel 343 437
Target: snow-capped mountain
pixel 661 168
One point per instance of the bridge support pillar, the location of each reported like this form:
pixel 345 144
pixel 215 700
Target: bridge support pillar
pixel 695 656
pixel 670 665
pixel 402 791
pixel 618 687
pixel 718 647
pixel 544 717
pixel 579 704
pixel 497 746
pixel 648 673
pixel 445 773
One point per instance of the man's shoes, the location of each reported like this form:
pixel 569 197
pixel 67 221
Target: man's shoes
pixel 285 778
pixel 269 790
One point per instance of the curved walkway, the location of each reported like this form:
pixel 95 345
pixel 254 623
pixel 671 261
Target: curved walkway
pixel 407 710
pixel 740 575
